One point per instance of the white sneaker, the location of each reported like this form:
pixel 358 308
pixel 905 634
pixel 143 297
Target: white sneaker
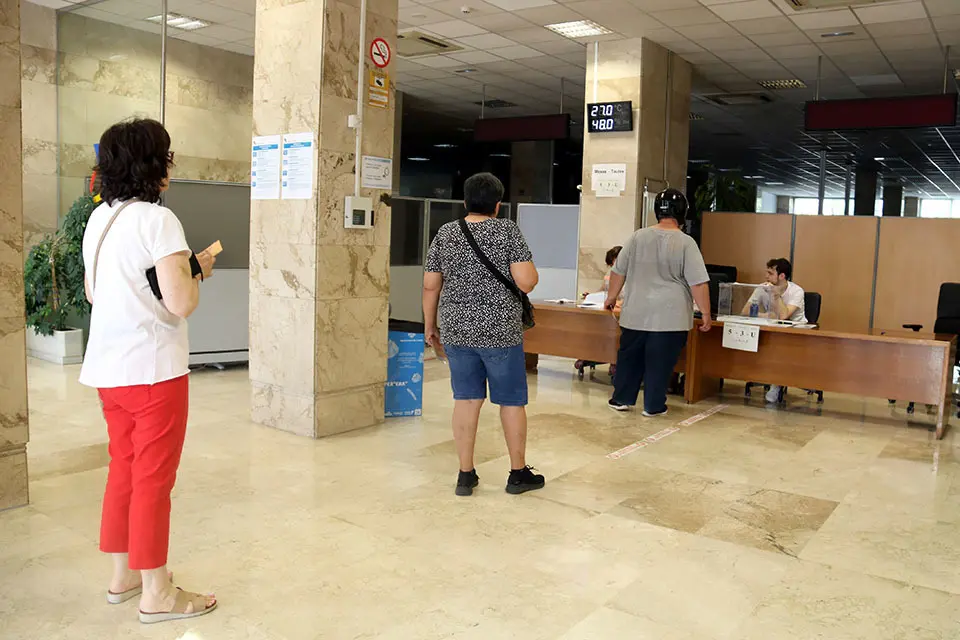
pixel 773 396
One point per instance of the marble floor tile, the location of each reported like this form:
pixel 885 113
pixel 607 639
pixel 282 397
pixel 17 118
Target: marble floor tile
pixel 360 537
pixel 814 601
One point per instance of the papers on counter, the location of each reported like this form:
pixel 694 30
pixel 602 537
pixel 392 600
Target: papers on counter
pixel 561 301
pixel 594 300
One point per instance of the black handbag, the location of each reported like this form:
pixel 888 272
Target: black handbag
pixel 527 317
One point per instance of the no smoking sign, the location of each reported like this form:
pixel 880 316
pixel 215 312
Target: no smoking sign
pixel 380 52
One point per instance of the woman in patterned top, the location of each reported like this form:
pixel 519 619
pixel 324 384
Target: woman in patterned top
pixel 480 326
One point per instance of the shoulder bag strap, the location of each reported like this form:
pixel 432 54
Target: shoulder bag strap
pixel 96 256
pixel 496 273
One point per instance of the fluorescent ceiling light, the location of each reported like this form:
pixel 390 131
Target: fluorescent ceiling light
pixel 418 159
pixel 837 34
pixel 465 71
pixel 445 145
pixel 499 155
pixel 579 29
pixel 879 159
pixel 177 21
pixel 774 184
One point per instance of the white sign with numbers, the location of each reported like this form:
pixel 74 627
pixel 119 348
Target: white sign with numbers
pixel 743 337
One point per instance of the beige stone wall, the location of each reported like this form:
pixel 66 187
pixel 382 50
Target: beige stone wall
pixel 38 42
pixel 322 287
pixel 645 73
pixel 14 432
pixel 108 72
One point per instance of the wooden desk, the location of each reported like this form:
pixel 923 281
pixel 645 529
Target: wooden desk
pixel 569 331
pixel 895 367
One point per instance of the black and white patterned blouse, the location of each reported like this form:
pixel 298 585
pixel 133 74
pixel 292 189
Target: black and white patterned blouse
pixel 476 310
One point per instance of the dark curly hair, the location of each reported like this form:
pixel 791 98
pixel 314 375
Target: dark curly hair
pixel 134 160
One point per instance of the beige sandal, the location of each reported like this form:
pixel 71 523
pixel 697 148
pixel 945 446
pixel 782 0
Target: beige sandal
pixel 179 611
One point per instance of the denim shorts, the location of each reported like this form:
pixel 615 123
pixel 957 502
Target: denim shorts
pixel 471 369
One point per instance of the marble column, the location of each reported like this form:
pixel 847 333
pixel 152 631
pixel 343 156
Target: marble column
pixel 14 432
pixel 319 292
pixel 658 82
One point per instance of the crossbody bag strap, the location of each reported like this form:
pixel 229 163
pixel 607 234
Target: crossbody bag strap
pixel 496 273
pixel 96 256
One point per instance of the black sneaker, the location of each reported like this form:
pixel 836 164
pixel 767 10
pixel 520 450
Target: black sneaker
pixel 466 482
pixel 616 406
pixel 523 480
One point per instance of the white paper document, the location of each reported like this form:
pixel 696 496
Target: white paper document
pixel 377 173
pixel 561 301
pixel 742 337
pixel 594 300
pixel 609 180
pixel 299 168
pixel 265 168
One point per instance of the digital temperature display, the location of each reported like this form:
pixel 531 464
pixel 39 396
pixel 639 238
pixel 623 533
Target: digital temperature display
pixel 609 116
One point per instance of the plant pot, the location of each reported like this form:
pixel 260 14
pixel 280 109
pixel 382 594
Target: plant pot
pixel 63 347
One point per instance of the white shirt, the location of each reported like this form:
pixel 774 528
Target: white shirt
pixel 792 297
pixel 133 340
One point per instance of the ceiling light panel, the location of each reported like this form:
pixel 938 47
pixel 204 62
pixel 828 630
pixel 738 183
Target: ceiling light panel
pixel 177 21
pixel 579 29
pixel 780 85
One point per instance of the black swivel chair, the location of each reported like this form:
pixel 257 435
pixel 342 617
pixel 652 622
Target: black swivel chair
pixel 948 322
pixel 730 272
pixel 812 302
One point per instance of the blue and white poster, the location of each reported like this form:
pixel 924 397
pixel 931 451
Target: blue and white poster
pixel 404 393
pixel 298 169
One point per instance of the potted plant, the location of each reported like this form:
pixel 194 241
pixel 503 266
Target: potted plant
pixel 53 286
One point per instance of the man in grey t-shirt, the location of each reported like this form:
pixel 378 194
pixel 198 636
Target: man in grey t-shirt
pixel 661 274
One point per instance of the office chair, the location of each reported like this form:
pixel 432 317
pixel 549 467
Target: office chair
pixel 812 302
pixel 948 322
pixel 730 272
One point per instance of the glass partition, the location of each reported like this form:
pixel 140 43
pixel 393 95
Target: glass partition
pixel 406 232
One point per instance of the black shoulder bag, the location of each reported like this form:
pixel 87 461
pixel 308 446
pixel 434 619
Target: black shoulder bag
pixel 528 320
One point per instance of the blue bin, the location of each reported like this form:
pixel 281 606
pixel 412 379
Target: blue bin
pixel 404 392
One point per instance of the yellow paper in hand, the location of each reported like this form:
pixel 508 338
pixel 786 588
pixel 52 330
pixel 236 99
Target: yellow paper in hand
pixel 215 249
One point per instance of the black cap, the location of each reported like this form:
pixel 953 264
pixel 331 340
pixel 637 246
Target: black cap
pixel 671 204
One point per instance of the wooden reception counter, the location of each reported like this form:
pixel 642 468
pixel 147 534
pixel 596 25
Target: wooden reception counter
pixel 896 366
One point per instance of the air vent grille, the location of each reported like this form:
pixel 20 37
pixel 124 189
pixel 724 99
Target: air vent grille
pixel 411 44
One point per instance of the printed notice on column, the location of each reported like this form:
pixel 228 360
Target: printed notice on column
pixel 298 166
pixel 265 168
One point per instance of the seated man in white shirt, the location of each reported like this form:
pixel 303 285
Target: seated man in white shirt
pixel 778 298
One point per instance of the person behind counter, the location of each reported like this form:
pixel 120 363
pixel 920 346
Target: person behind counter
pixel 611 258
pixel 660 272
pixel 778 298
pixel 481 326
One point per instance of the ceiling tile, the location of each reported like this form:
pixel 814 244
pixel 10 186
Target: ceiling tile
pixel 453 29
pixel 473 57
pixel 486 41
pixel 744 55
pixel 825 19
pixel 943 7
pixel 533 35
pixel 565 46
pixel 419 15
pixel 793 51
pixel 746 10
pixel 714 30
pixel 725 44
pixel 684 17
pixel 902 28
pixel 905 43
pixel 513 5
pixel 892 12
pixel 763 26
pixel 947 23
pixel 778 39
pixel 455 8
pixel 854 47
pixel 854 32
pixel 438 62
pixel 516 52
pixel 549 15
pixel 663 5
pixel 498 22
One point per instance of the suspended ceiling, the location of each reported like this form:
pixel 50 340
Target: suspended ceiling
pixel 892 48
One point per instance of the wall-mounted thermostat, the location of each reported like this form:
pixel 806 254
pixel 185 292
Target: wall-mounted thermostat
pixel 358 213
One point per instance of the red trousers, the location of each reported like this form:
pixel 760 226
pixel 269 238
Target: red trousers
pixel 147 425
